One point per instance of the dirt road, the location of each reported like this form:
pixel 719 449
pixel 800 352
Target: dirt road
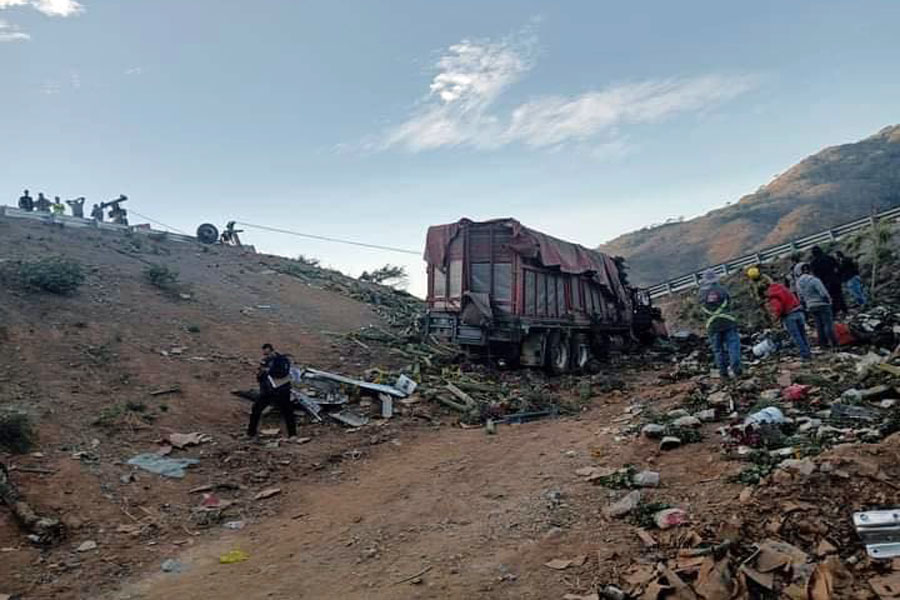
pixel 476 515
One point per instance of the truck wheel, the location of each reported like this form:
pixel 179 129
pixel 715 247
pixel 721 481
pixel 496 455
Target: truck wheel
pixel 207 233
pixel 581 353
pixel 560 354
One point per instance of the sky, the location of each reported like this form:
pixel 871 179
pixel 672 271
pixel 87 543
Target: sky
pixel 370 120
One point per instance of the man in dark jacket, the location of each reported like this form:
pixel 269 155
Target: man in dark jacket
pixel 274 388
pixel 849 272
pixel 721 325
pixel 42 204
pixel 26 202
pixel 826 268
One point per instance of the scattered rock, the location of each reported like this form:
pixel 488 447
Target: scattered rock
pixel 687 421
pixel 669 443
pixel 87 546
pixel 234 525
pixel 722 398
pixel 653 431
pixel 172 566
pixel 677 413
pixel 770 395
pixel 804 467
pixel 624 505
pixel 707 416
pixel 646 479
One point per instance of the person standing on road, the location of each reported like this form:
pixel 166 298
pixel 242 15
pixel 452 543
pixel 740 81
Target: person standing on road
pixel 77 207
pixel 274 377
pixel 827 270
pixel 58 207
pixel 721 325
pixel 26 202
pixel 785 307
pixel 42 204
pixel 818 302
pixel 849 272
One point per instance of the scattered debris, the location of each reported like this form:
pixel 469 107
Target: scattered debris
pixel 670 517
pixel 879 530
pixel 624 505
pixel 43 529
pixel 267 493
pixel 167 467
pixel 670 442
pixel 172 566
pixel 183 440
pixel 233 556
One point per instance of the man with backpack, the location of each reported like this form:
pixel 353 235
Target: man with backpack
pixel 274 376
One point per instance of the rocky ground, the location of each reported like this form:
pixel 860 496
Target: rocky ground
pixel 595 500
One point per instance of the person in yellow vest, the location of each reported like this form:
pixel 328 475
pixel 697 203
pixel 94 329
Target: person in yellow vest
pixel 721 325
pixel 58 207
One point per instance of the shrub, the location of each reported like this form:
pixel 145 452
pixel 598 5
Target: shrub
pixel 55 275
pixel 161 276
pixel 16 433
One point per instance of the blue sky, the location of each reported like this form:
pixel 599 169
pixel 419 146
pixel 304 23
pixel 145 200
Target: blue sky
pixel 372 120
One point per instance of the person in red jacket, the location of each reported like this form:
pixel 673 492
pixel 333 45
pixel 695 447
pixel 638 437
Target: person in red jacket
pixel 784 306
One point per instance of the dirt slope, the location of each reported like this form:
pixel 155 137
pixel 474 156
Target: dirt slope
pixel 83 367
pixel 830 187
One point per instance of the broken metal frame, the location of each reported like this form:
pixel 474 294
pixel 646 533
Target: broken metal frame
pixel 879 530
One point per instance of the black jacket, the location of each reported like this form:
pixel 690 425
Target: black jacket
pixel 826 268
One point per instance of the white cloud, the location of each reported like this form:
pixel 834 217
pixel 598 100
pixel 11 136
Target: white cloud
pixel 11 33
pixel 134 71
pixel 52 8
pixel 460 108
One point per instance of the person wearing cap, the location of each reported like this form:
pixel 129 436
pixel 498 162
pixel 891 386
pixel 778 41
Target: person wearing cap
pixel 818 302
pixel 721 325
pixel 785 307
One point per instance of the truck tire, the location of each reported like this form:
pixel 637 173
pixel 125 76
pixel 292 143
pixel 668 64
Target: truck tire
pixel 207 234
pixel 581 353
pixel 559 355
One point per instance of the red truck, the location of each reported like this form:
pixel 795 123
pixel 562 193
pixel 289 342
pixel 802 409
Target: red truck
pixel 513 293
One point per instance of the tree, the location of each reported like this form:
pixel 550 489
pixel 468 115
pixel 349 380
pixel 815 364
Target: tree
pixel 390 275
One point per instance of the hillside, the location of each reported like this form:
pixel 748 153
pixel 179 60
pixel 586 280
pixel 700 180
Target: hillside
pixel 418 504
pixel 835 185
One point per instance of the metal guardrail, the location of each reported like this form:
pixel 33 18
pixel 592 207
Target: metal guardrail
pixel 67 221
pixel 692 280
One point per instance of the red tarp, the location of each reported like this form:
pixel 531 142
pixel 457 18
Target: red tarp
pixel 547 250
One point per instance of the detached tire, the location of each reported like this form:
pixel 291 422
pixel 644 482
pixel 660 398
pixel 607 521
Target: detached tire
pixel 559 355
pixel 207 234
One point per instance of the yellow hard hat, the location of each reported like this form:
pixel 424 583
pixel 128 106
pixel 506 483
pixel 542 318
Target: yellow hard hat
pixel 753 273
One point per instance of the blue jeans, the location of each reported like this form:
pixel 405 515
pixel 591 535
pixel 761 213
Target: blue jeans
pixel 726 347
pixel 824 318
pixel 855 285
pixel 795 325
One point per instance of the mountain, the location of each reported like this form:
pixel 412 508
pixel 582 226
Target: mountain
pixel 835 185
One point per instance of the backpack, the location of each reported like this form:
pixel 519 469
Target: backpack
pixel 281 367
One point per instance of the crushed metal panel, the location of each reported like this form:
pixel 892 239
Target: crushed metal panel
pixel 348 417
pixel 879 530
pixel 365 385
pixel 308 404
